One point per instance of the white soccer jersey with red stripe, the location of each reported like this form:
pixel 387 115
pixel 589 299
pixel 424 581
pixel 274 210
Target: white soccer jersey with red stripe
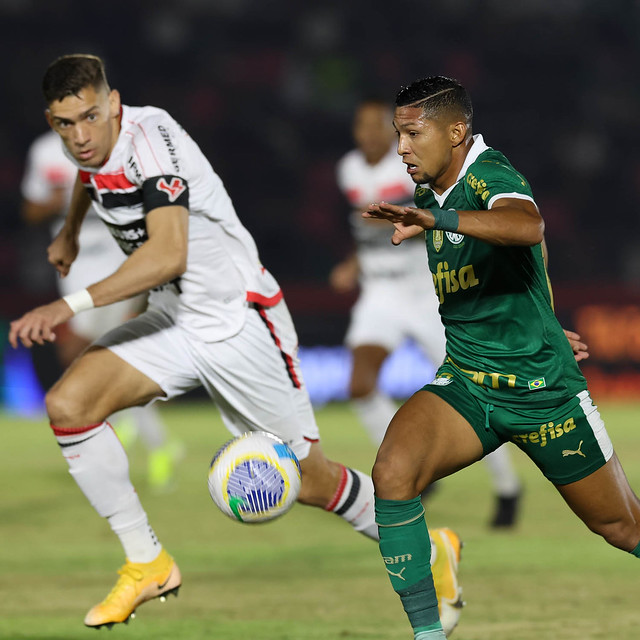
pixel 47 169
pixel 155 163
pixel 362 184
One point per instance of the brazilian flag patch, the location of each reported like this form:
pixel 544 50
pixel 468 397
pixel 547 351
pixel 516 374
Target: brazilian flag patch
pixel 538 383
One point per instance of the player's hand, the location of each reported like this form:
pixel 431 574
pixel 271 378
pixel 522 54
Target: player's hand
pixel 580 349
pixel 344 276
pixel 62 251
pixel 408 221
pixel 36 326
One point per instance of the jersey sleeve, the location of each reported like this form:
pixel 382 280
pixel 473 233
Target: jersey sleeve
pixel 44 172
pixel 488 180
pixel 157 164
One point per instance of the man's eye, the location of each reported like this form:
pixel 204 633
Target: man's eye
pixel 92 117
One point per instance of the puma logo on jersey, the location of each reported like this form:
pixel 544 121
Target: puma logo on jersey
pixel 173 190
pixel 570 452
pixel 399 574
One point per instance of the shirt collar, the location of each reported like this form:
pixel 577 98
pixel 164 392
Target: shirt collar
pixel 479 146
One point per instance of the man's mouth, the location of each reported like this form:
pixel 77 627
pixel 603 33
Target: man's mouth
pixel 85 155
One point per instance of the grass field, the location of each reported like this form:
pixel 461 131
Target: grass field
pixel 306 576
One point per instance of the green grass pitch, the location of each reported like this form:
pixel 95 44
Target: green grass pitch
pixel 306 576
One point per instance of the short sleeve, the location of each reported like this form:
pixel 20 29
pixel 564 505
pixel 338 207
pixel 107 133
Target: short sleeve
pixel 157 164
pixel 487 180
pixel 46 169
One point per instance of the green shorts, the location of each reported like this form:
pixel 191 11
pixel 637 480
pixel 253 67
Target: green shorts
pixel 567 442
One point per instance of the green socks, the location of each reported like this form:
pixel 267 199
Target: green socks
pixel 406 550
pixel 636 552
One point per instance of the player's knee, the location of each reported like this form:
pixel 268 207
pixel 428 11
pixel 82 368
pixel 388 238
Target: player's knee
pixel 622 534
pixel 362 387
pixel 394 477
pixel 65 408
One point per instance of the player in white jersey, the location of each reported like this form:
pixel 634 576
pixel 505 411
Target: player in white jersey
pixel 46 190
pixel 396 300
pixel 215 317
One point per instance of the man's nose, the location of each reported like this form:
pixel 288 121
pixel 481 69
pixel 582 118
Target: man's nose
pixel 81 134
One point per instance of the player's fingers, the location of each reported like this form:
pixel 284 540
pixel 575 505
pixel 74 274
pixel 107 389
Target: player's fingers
pixel 397 237
pixel 13 334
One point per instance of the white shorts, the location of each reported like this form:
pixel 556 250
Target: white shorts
pixel 98 258
pixel 253 377
pixel 389 310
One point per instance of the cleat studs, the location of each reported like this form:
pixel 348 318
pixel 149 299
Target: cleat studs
pixel 163 599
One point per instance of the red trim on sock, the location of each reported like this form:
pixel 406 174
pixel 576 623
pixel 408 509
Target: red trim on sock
pixel 339 491
pixel 59 431
pixel 312 439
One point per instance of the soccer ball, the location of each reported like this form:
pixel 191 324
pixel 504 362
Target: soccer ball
pixel 254 477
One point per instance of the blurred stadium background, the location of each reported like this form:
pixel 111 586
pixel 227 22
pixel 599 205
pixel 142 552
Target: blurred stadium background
pixel 267 89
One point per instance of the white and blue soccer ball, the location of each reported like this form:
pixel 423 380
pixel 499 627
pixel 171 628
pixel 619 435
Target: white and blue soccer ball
pixel 254 477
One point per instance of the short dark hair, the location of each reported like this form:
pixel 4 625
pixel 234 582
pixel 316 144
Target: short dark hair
pixel 68 75
pixel 437 95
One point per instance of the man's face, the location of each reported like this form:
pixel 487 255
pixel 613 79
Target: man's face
pixel 424 144
pixel 87 123
pixel 372 131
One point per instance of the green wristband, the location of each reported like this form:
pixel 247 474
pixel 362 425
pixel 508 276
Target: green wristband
pixel 445 219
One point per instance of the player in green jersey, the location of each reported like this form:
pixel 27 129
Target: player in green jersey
pixel 510 373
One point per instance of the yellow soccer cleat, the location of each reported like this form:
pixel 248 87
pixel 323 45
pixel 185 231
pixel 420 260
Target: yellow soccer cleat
pixel 445 577
pixel 138 582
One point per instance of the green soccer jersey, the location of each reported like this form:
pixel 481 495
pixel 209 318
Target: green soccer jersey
pixel 496 301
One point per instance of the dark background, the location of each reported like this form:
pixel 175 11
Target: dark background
pixel 267 90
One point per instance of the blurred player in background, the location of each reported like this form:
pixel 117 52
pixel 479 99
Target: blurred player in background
pixel 397 299
pixel 46 190
pixel 215 318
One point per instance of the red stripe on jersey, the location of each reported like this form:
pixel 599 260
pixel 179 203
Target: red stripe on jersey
pixel 291 370
pixel 258 298
pixel 85 177
pixel 339 491
pixel 353 196
pixel 396 192
pixel 113 181
pixel 59 431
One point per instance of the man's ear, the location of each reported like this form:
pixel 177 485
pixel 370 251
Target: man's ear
pixel 114 103
pixel 47 115
pixel 458 133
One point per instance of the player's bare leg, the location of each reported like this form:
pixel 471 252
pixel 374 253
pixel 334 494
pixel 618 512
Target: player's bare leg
pixel 426 440
pixel 341 490
pixel 605 502
pixel 95 386
pixel 374 408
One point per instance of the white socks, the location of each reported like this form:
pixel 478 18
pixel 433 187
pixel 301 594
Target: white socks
pixel 100 467
pixel 375 412
pixel 353 501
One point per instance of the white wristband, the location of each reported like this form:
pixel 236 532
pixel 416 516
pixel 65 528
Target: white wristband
pixel 79 301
